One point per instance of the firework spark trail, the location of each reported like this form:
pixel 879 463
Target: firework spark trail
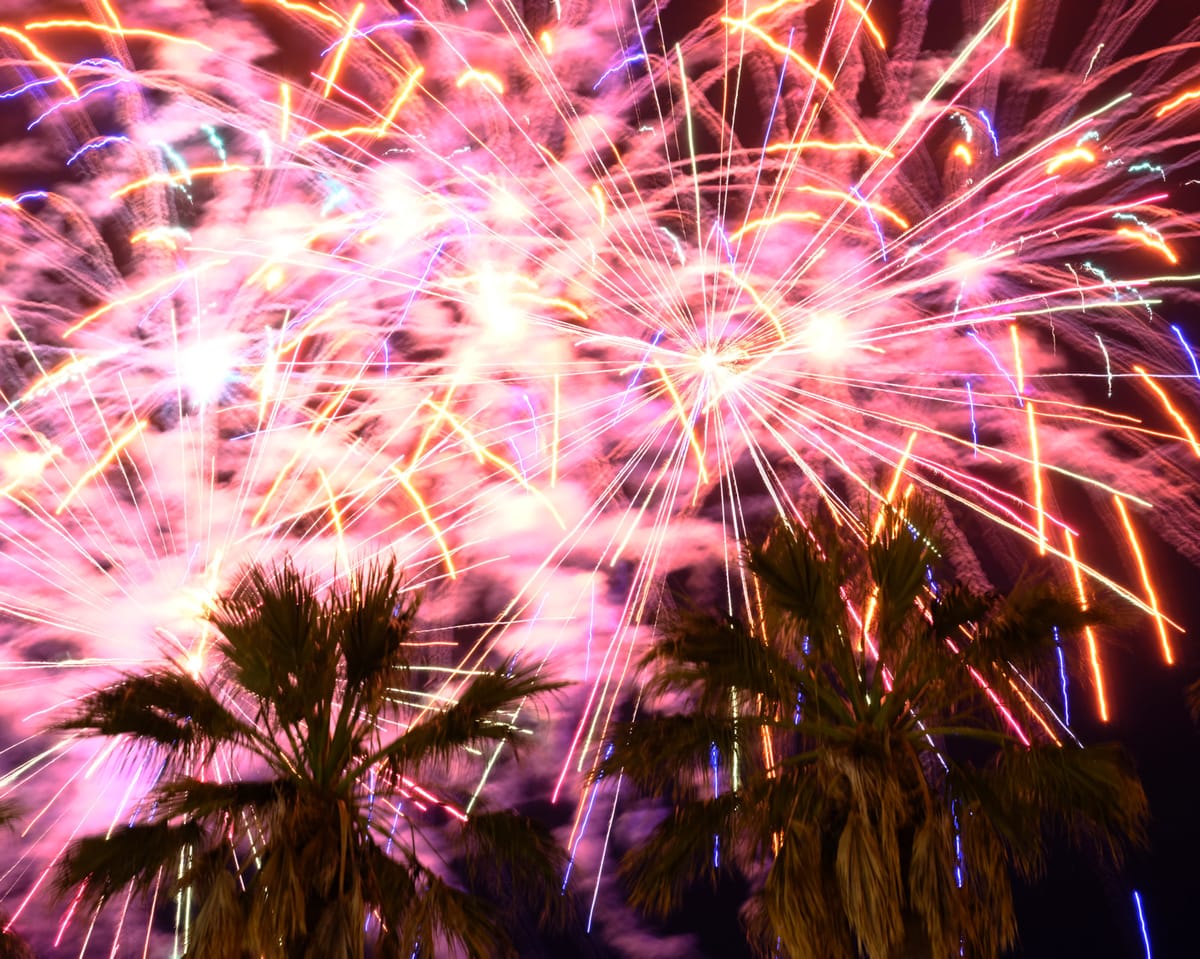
pixel 561 306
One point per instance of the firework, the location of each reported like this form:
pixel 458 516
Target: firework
pixel 557 303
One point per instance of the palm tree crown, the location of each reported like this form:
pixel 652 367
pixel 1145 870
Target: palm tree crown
pixel 289 807
pixel 869 754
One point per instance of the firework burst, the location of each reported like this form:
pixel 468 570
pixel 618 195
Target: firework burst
pixel 554 302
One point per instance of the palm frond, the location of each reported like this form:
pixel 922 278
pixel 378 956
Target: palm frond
pixel 482 713
pixel 801 577
pixel 130 858
pixel 684 848
pixel 867 866
pixel 442 914
pixel 1091 796
pixel 338 932
pixel 274 641
pixel 516 860
pixel 673 753
pixel 279 900
pixel 799 904
pixel 707 656
pixel 219 928
pixel 12 946
pixel 374 621
pixel 166 708
pixel 898 558
pixel 10 812
pixel 189 798
pixel 1019 628
pixel 933 893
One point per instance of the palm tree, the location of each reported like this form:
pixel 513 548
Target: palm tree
pixel 12 946
pixel 868 754
pixel 289 811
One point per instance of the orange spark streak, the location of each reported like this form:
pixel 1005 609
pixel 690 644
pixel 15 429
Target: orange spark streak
pixel 806 216
pixel 1020 367
pixel 285 110
pixel 182 176
pixel 895 484
pixel 1010 29
pixel 851 198
pixel 779 48
pixel 41 57
pixel 482 454
pixel 1178 417
pixel 1035 713
pixel 1081 154
pixel 385 121
pixel 546 39
pixel 113 452
pixel 829 145
pixel 1093 649
pixel 427 519
pixel 875 32
pixel 963 152
pixel 165 235
pixel 336 515
pixel 1037 478
pixel 852 4
pixel 758 301
pixel 343 45
pixel 134 297
pixel 489 80
pixel 110 12
pixel 331 19
pixel 1177 102
pixel 115 31
pixel 322 416
pixel 1152 600
pixel 683 418
pixel 1156 243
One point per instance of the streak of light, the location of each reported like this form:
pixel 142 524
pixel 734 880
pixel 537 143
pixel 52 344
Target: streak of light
pixel 483 78
pixel 340 53
pixel 1141 916
pixel 115 31
pixel 386 120
pixel 304 8
pixel 174 179
pixel 113 452
pixel 427 518
pixel 1187 348
pixel 684 419
pixel 1169 407
pixel 1155 243
pixel 554 441
pixel 1018 366
pixel 784 51
pixel 1151 598
pixel 1177 102
pixel 1010 27
pixel 285 110
pixel 1077 155
pixel 41 57
pixel 1089 634
pixel 1035 466
pixel 852 146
